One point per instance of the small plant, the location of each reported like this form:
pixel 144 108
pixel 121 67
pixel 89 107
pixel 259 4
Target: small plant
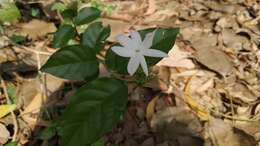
pixel 99 104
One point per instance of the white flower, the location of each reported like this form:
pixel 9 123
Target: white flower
pixel 136 49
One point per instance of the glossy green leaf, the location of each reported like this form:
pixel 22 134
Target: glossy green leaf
pixel 9 13
pixel 69 13
pixel 73 63
pixel 164 40
pixel 94 36
pixel 93 111
pixel 86 15
pixel 63 35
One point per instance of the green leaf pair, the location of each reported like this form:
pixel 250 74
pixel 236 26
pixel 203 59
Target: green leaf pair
pixel 67 32
pixel 78 62
pixel 94 36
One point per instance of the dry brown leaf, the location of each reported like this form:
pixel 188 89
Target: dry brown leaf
pixel 31 112
pixel 208 84
pixel 151 7
pixel 150 110
pixel 241 92
pixel 177 58
pixel 30 88
pixel 201 111
pixel 215 60
pixel 232 40
pixel 194 72
pixel 252 128
pixel 177 124
pixel 222 133
pixel 37 28
pixel 4 134
pixel 117 27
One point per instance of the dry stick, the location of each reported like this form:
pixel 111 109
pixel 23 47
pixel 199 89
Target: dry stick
pixel 16 127
pixel 232 109
pixel 41 78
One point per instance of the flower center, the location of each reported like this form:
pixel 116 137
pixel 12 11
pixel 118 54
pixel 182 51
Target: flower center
pixel 137 50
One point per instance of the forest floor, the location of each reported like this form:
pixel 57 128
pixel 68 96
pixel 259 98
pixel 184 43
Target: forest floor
pixel 207 92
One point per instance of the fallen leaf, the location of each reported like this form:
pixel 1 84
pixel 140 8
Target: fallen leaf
pixel 240 91
pixel 252 128
pixel 215 60
pixel 31 112
pixel 37 28
pixel 223 134
pixel 201 111
pixel 4 134
pixel 150 110
pixel 152 7
pixel 177 58
pixel 6 109
pixel 117 27
pixel 208 84
pixel 177 124
pixel 30 88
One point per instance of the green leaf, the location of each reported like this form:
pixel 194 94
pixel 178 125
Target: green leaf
pixel 73 63
pixel 9 13
pixel 35 12
pixel 17 39
pixel 58 6
pixel 86 15
pixel 47 133
pixel 11 144
pixel 94 36
pixel 63 35
pixel 11 91
pixel 69 13
pixel 93 111
pixel 164 40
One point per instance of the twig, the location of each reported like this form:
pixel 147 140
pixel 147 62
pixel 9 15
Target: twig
pixel 16 127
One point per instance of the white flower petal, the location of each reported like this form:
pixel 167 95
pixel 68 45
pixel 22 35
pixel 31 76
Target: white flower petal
pixel 125 41
pixel 154 53
pixel 133 65
pixel 143 65
pixel 148 40
pixel 136 40
pixel 122 51
pixel 136 37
